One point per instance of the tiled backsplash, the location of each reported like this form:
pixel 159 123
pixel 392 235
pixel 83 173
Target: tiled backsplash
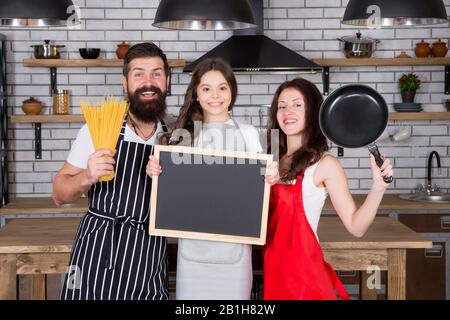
pixel 309 27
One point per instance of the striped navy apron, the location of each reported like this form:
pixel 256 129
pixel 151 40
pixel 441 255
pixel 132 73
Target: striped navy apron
pixel 113 257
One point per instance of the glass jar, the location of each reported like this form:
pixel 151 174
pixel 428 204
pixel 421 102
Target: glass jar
pixel 61 101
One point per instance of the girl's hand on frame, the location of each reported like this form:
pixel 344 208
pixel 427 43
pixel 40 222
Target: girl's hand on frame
pixel 153 168
pixel 378 173
pixel 272 174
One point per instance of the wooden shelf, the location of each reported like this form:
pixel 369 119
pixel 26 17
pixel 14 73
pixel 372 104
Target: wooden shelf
pixel 80 118
pixel 47 118
pixel 178 63
pixel 173 63
pixel 382 62
pixel 419 116
pixel 326 64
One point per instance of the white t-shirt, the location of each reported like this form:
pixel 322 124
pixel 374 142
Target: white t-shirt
pixel 83 146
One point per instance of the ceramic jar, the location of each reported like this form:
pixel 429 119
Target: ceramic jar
pixel 439 49
pixel 423 49
pixel 122 49
pixel 31 106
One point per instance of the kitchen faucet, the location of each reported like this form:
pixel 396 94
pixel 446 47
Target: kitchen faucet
pixel 430 187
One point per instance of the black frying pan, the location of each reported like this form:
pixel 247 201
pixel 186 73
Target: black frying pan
pixel 354 116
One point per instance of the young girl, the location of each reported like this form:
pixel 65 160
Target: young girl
pixel 211 269
pixel 294 267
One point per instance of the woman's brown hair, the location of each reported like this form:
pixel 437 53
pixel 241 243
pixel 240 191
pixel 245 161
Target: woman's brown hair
pixel 314 142
pixel 191 110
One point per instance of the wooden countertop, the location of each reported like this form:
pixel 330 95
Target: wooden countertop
pixel 57 234
pixel 36 205
pixel 393 202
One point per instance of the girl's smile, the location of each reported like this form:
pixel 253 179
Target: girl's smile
pixel 214 96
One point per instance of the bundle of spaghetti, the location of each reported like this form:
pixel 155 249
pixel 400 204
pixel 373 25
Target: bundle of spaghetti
pixel 104 123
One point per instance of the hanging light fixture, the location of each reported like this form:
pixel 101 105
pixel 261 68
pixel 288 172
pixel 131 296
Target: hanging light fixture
pixel 385 13
pixel 204 15
pixel 38 13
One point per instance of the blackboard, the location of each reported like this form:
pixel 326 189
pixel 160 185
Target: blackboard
pixel 210 194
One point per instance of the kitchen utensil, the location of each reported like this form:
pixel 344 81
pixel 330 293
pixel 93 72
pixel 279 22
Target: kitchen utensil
pixel 354 116
pixel 439 49
pixel 61 101
pixel 403 54
pixel 47 50
pixel 422 49
pixel 89 53
pixel 359 46
pixel 122 49
pixel 400 135
pixel 407 107
pixel 31 106
pixel 409 110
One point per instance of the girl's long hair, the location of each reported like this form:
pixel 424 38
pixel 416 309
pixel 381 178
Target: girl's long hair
pixel 314 142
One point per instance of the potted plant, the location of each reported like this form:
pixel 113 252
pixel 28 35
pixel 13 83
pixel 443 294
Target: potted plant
pixel 408 84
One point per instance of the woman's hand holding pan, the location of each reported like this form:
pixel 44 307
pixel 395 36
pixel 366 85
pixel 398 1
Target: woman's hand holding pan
pixel 378 173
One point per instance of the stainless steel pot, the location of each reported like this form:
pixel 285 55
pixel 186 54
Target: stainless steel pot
pixel 47 50
pixel 358 47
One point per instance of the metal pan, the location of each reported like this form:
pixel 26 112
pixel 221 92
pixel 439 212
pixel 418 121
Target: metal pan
pixel 354 116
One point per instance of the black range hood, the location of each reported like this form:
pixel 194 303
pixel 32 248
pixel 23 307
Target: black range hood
pixel 250 51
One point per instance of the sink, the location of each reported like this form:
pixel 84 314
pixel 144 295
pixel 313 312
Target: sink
pixel 424 197
pixel 429 192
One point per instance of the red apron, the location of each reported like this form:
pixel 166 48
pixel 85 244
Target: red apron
pixel 294 267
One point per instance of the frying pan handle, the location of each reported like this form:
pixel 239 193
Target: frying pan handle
pixel 376 153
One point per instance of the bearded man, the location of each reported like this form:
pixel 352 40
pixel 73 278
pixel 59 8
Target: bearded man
pixel 113 257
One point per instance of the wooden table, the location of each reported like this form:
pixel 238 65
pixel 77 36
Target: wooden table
pixel 42 246
pixel 34 247
pixel 383 246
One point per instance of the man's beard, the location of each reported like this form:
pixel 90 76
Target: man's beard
pixel 150 111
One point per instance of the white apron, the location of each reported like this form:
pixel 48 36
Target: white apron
pixel 212 270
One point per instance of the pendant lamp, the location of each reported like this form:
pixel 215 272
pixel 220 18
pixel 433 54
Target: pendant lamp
pixel 38 13
pixel 204 15
pixel 386 13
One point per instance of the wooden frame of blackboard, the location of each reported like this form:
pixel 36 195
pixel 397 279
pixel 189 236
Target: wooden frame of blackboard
pixel 177 233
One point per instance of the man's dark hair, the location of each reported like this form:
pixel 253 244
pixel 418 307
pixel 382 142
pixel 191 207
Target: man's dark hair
pixel 144 50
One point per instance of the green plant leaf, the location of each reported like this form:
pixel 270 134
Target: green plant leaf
pixel 409 82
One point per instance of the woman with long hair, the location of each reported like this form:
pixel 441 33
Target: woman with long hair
pixel 294 267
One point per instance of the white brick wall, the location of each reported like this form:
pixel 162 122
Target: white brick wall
pixel 308 26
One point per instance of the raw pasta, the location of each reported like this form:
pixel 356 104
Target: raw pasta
pixel 104 123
